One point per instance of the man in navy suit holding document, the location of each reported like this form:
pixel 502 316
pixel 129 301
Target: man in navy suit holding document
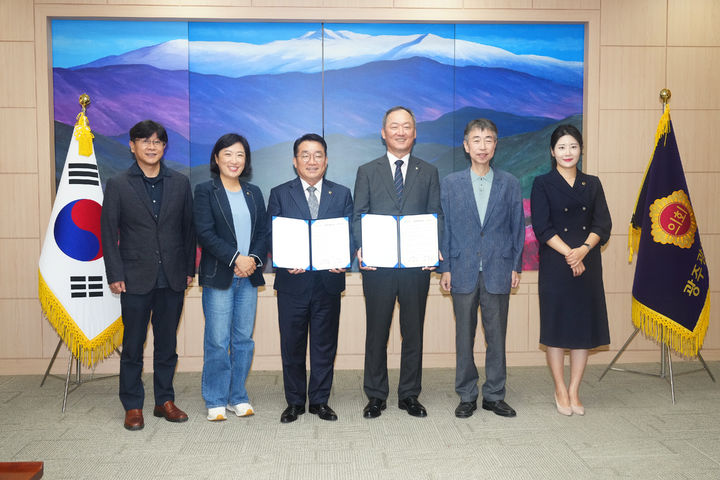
pixel 309 300
pixel 395 184
pixel 482 248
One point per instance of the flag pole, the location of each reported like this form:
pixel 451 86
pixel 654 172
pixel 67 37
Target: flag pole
pixel 665 354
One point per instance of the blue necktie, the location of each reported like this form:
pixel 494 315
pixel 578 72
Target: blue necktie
pixel 398 178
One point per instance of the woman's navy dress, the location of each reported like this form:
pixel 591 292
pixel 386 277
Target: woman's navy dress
pixel 573 313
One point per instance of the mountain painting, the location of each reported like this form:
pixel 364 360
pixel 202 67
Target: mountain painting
pixel 273 82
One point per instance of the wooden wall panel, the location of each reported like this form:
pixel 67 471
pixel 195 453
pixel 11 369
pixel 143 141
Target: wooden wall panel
pixel 16 20
pixel 17 89
pixel 19 279
pixel 20 324
pixel 567 4
pixel 19 205
pixel 18 145
pixel 626 139
pixel 693 77
pixel 694 23
pixel 635 22
pixel 696 132
pixel 631 77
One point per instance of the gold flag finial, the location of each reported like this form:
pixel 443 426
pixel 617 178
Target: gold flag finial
pixel 665 95
pixel 83 134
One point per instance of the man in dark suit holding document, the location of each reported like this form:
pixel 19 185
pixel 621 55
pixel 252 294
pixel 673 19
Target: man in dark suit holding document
pixel 309 301
pixel 395 184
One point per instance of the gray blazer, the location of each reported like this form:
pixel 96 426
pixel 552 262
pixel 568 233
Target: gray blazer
pixel 135 244
pixel 498 240
pixel 375 192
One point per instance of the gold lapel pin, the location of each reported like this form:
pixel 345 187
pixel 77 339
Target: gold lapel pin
pixel 583 184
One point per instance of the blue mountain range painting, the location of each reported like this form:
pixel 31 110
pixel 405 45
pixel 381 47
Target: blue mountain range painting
pixel 334 80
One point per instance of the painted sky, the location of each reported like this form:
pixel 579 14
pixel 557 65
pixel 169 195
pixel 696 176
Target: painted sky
pixel 77 42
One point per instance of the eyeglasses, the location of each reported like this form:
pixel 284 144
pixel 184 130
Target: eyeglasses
pixel 155 143
pixel 306 156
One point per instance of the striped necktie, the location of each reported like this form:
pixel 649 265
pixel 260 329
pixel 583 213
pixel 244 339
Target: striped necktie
pixel 398 178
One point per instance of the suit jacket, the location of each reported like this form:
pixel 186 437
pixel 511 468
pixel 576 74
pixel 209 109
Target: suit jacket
pixel 216 233
pixel 136 244
pixel 498 240
pixel 375 192
pixel 569 212
pixel 288 200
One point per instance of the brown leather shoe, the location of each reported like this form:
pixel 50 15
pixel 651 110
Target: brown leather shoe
pixel 134 419
pixel 170 412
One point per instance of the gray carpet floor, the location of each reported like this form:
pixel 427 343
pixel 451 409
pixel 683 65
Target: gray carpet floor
pixel 631 430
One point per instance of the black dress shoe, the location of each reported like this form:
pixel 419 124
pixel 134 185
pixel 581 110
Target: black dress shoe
pixel 466 409
pixel 499 407
pixel 290 414
pixel 374 408
pixel 323 411
pixel 412 406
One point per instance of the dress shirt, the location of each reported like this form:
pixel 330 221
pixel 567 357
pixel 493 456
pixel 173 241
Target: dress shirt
pixel 403 168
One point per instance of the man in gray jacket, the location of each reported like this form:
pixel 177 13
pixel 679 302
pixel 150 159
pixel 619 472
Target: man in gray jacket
pixel 482 250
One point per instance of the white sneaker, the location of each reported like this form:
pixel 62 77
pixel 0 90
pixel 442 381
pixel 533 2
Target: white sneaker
pixel 216 414
pixel 242 409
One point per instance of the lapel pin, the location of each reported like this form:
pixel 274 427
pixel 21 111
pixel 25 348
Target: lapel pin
pixel 583 184
pixel 329 192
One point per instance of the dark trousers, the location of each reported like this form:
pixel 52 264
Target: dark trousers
pixel 318 313
pixel 165 305
pixel 381 288
pixel 494 312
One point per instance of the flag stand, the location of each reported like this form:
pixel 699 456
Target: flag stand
pixel 78 376
pixel 666 367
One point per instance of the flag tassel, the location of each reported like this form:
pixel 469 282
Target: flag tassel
pixel 663 330
pixel 89 352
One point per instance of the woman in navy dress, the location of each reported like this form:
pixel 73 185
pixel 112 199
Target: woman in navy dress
pixel 571 221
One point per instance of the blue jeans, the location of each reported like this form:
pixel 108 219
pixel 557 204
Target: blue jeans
pixel 229 347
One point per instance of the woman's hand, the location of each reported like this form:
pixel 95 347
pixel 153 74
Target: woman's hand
pixel 244 266
pixel 576 255
pixel 578 269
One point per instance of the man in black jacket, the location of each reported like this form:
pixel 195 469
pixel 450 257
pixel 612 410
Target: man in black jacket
pixel 148 240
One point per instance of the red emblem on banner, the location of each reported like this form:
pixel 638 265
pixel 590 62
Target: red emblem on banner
pixel 673 220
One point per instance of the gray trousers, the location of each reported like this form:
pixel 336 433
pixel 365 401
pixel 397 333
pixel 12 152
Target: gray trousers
pixel 494 312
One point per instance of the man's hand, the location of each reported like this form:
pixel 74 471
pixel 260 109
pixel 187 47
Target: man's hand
pixel 117 287
pixel 445 281
pixel 515 279
pixel 296 271
pixel 360 261
pixel 338 270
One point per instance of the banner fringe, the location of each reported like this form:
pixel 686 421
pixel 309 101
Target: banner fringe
pixel 662 329
pixel 89 352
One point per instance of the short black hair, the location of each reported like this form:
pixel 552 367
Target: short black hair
pixel 560 132
pixel 146 128
pixel 228 140
pixel 309 137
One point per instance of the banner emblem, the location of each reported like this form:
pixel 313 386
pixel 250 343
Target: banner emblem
pixel 673 220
